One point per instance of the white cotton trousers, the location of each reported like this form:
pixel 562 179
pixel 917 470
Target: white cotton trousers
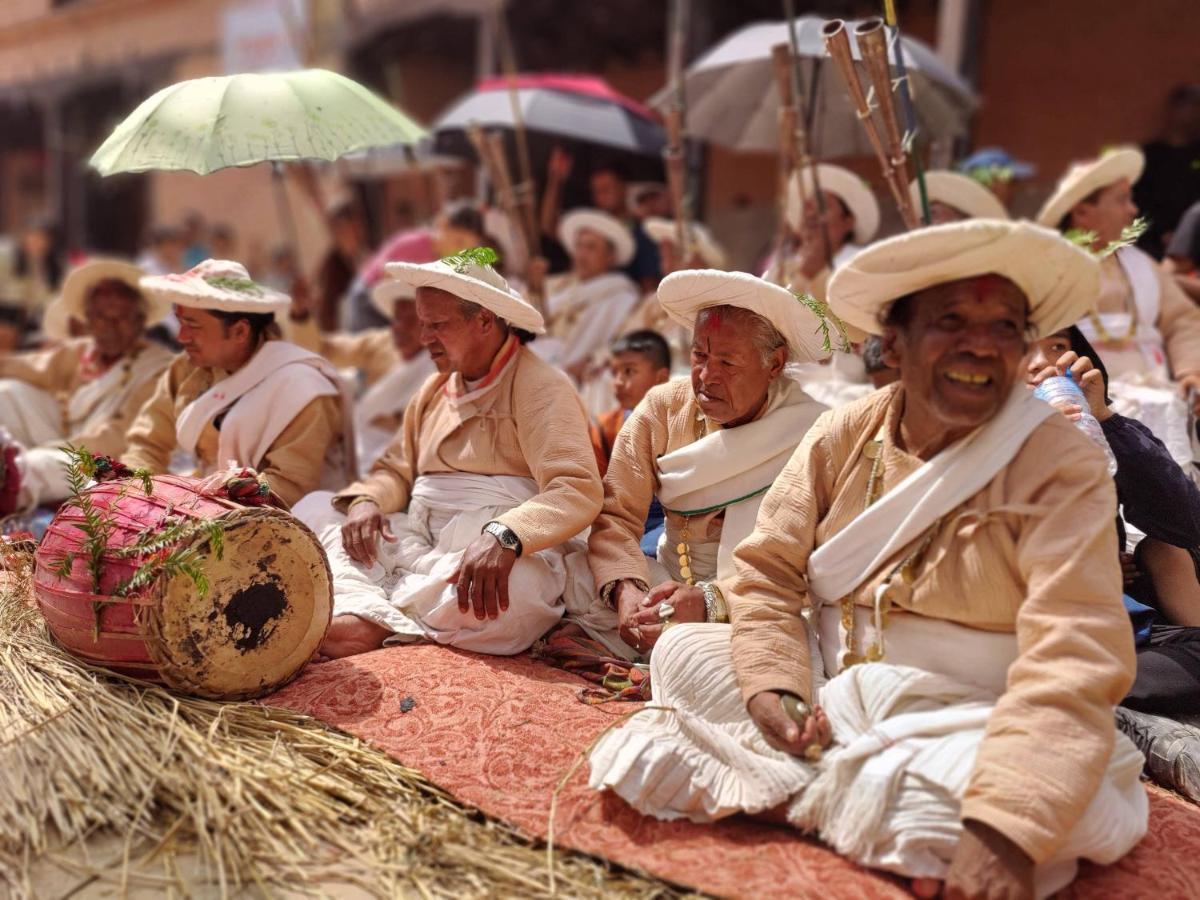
pixel 408 589
pixel 887 794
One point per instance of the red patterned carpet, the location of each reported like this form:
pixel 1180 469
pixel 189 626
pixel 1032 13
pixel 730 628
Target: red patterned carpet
pixel 499 734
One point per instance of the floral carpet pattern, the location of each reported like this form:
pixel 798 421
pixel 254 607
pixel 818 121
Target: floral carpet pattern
pixel 501 733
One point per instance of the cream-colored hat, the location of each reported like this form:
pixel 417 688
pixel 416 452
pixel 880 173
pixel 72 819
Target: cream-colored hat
pixel 219 285
pixel 684 294
pixel 608 227
pixel 470 281
pixel 71 302
pixel 853 191
pixel 1059 280
pixel 387 292
pixel 659 229
pixel 961 192
pixel 1084 178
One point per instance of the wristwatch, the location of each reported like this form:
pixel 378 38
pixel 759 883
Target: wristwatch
pixel 506 536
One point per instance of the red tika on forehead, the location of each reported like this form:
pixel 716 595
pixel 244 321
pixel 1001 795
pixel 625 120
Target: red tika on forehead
pixel 987 285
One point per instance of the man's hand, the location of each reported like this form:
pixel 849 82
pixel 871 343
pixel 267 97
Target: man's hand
pixel 350 635
pixel 628 601
pixel 1191 384
pixel 361 531
pixel 558 169
pixel 986 865
pixel 482 578
pixel 781 731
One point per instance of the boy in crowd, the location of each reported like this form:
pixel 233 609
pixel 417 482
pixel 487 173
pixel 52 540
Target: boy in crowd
pixel 637 362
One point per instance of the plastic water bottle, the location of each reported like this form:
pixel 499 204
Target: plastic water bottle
pixel 1059 390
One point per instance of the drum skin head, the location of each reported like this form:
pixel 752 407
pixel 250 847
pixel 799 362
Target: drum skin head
pixel 268 606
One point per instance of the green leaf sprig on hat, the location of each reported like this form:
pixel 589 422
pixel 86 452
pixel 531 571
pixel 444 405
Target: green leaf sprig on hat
pixel 989 175
pixel 239 285
pixel 1129 236
pixel 828 323
pixel 475 256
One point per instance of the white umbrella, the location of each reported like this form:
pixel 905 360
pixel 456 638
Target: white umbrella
pixel 206 124
pixel 732 99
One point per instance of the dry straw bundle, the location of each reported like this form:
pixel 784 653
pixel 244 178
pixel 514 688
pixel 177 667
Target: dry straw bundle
pixel 221 799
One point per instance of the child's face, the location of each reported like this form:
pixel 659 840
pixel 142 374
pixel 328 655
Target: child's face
pixel 633 375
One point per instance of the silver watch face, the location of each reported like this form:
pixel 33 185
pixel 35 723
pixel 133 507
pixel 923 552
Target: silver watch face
pixel 503 535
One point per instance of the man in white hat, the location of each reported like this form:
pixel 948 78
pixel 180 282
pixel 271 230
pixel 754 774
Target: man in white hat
pixel 390 363
pixel 586 306
pixel 950 537
pixel 460 533
pixel 707 448
pixel 1142 324
pixel 954 197
pixel 238 397
pixel 851 219
pixel 86 391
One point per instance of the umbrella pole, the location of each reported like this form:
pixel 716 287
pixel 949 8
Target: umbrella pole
pixel 676 173
pixel 283 207
pixel 526 192
pixel 802 153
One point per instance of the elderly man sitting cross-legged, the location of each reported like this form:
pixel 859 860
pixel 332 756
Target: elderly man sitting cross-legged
pixel 950 540
pixel 458 532
pixel 707 448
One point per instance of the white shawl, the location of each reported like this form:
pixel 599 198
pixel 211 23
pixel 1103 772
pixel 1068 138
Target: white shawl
pixel 903 514
pixel 101 398
pixel 585 316
pixel 1142 274
pixel 388 397
pixel 262 399
pixel 734 467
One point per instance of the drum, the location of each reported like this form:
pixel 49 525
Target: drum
pixel 193 592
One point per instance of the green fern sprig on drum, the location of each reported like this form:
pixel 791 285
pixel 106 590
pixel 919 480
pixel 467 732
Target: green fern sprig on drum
pixel 169 560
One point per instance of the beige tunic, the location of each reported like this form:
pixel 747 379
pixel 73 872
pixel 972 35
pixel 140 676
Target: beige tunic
pixel 1034 553
pixel 60 372
pixel 372 352
pixel 1178 317
pixel 532 426
pixel 667 418
pixel 293 465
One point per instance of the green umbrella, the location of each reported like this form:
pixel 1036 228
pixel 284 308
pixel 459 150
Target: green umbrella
pixel 207 124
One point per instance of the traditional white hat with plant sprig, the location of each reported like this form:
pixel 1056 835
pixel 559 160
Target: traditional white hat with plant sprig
pixel 804 323
pixel 219 285
pixel 1060 280
pixel 469 275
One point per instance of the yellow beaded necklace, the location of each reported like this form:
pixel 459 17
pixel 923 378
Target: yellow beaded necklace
pixel 699 429
pixel 884 593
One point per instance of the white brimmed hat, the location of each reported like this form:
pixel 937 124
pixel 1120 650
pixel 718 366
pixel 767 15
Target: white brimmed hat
pixel 71 303
pixel 219 285
pixel 387 292
pixel 684 294
pixel 1084 178
pixel 702 242
pixel 961 192
pixel 470 281
pixel 610 228
pixel 853 191
pixel 1060 280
